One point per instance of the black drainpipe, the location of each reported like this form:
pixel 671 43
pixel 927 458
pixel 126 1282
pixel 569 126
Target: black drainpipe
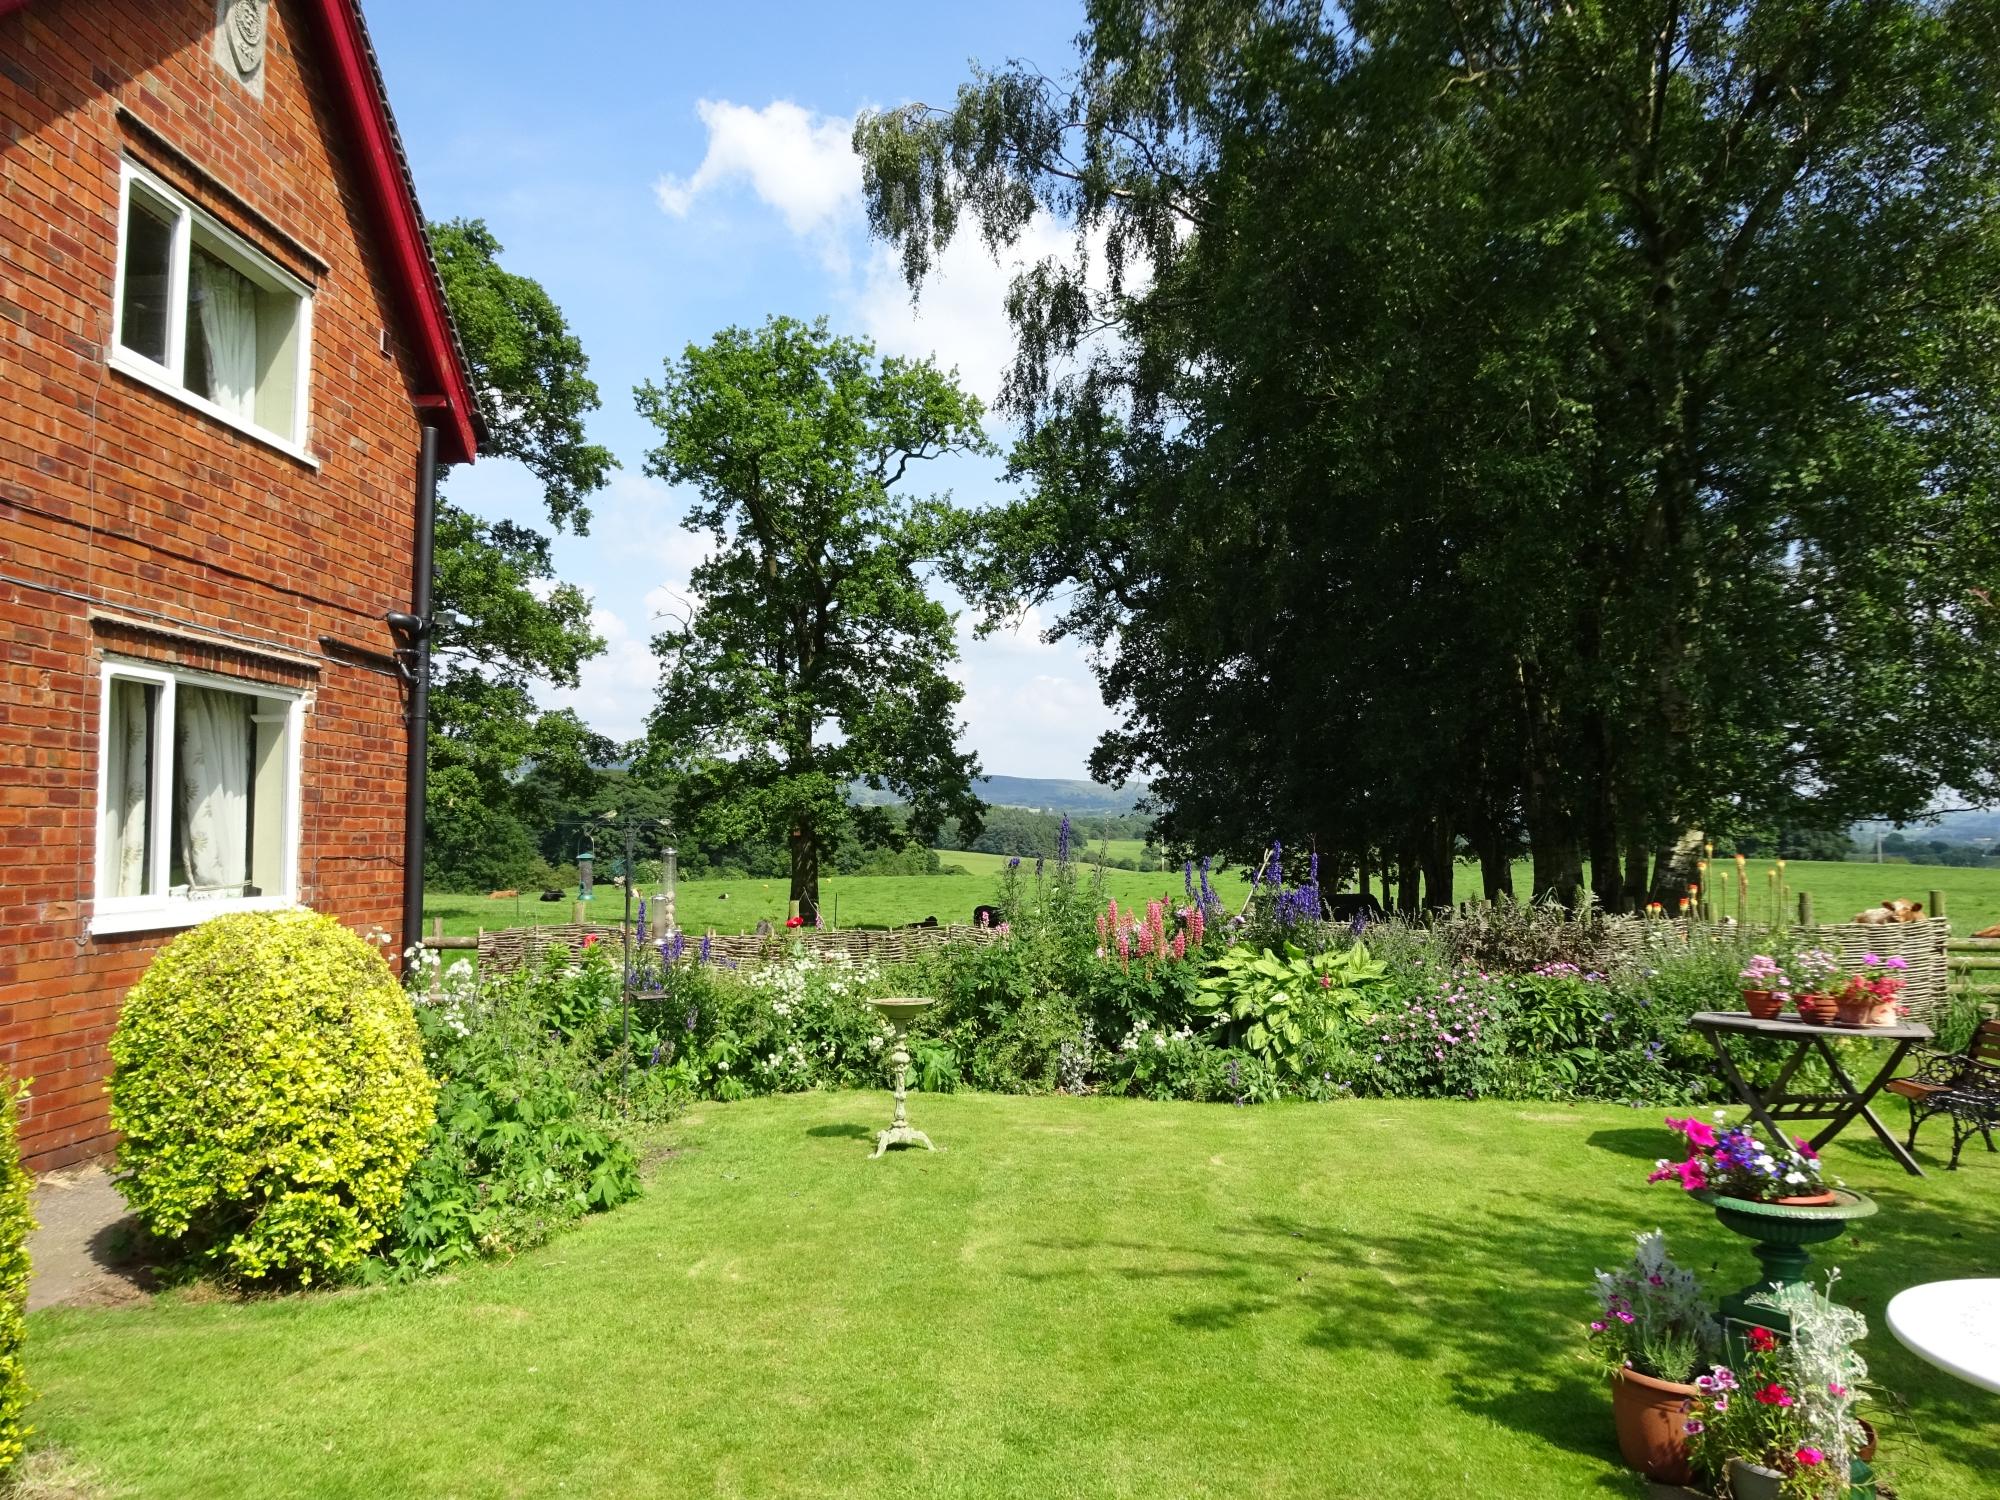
pixel 418 646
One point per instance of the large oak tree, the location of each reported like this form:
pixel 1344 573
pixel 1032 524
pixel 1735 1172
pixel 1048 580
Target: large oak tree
pixel 811 656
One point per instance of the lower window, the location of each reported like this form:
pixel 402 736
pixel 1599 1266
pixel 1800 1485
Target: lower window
pixel 198 797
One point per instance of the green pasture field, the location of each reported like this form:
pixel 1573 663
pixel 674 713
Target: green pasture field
pixel 1838 890
pixel 849 900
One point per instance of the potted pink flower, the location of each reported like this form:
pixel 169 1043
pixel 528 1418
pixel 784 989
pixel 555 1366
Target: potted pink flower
pixel 1654 1329
pixel 1871 996
pixel 1764 987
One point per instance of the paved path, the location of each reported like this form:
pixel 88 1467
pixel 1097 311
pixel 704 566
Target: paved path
pixel 76 1253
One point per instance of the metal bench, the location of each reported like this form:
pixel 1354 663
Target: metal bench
pixel 1964 1085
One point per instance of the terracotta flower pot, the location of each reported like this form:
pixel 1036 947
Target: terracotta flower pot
pixel 1818 1009
pixel 1867 1449
pixel 1765 1005
pixel 1866 1010
pixel 1651 1418
pixel 1806 1200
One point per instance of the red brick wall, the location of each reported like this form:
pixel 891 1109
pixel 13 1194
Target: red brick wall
pixel 116 499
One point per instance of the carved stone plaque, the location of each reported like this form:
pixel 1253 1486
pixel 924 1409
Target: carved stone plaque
pixel 239 41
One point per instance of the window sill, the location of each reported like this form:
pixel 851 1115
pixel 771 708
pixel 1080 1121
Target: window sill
pixel 148 374
pixel 176 915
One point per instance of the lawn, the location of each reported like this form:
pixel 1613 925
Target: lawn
pixel 1078 1298
pixel 1839 890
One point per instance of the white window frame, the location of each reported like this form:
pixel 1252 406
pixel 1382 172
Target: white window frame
pixel 163 909
pixel 170 376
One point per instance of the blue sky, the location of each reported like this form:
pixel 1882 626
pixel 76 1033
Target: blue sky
pixel 666 171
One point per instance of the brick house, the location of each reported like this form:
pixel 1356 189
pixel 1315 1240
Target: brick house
pixel 228 374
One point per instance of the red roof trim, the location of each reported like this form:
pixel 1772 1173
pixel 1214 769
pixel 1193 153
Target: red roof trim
pixel 392 198
pixel 395 205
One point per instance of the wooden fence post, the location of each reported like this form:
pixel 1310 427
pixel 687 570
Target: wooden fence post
pixel 1937 903
pixel 1805 909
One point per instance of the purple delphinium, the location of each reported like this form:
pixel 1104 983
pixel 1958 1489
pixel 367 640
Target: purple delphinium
pixel 707 950
pixel 1277 865
pixel 693 1015
pixel 1014 863
pixel 642 919
pixel 1295 907
pixel 1062 841
pixel 1038 867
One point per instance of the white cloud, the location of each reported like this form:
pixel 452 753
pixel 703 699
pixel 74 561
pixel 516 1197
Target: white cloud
pixel 614 692
pixel 803 165
pixel 1030 723
pixel 644 515
pixel 798 162
pixel 1021 636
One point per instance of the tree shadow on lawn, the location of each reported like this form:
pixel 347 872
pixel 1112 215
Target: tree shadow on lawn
pixel 848 1132
pixel 1501 1294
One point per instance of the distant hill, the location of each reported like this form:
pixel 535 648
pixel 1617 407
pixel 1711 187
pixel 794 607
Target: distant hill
pixel 1977 827
pixel 1037 793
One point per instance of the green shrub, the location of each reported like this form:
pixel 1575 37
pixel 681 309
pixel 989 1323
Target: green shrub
pixel 1294 1007
pixel 15 1224
pixel 271 1092
pixel 523 1142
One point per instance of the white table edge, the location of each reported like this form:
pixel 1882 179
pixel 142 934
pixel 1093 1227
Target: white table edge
pixel 1986 1380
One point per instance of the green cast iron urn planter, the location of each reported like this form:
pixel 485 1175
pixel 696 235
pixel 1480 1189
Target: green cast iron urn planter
pixel 1779 1234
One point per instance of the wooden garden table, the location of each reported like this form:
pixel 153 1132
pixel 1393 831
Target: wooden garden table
pixel 1776 1104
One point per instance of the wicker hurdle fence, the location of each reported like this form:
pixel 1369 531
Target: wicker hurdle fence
pixel 511 948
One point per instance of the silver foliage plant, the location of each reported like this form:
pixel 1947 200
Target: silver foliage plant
pixel 1827 1373
pixel 1654 1316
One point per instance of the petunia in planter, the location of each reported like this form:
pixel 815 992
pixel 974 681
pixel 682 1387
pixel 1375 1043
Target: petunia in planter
pixel 1733 1162
pixel 1654 1328
pixel 1781 1422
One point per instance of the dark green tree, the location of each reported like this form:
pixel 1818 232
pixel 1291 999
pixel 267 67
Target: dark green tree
pixel 502 618
pixel 811 657
pixel 1560 426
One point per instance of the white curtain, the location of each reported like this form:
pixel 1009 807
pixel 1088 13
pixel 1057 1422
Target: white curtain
pixel 228 305
pixel 212 760
pixel 129 774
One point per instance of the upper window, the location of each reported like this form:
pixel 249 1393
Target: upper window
pixel 202 314
pixel 198 805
